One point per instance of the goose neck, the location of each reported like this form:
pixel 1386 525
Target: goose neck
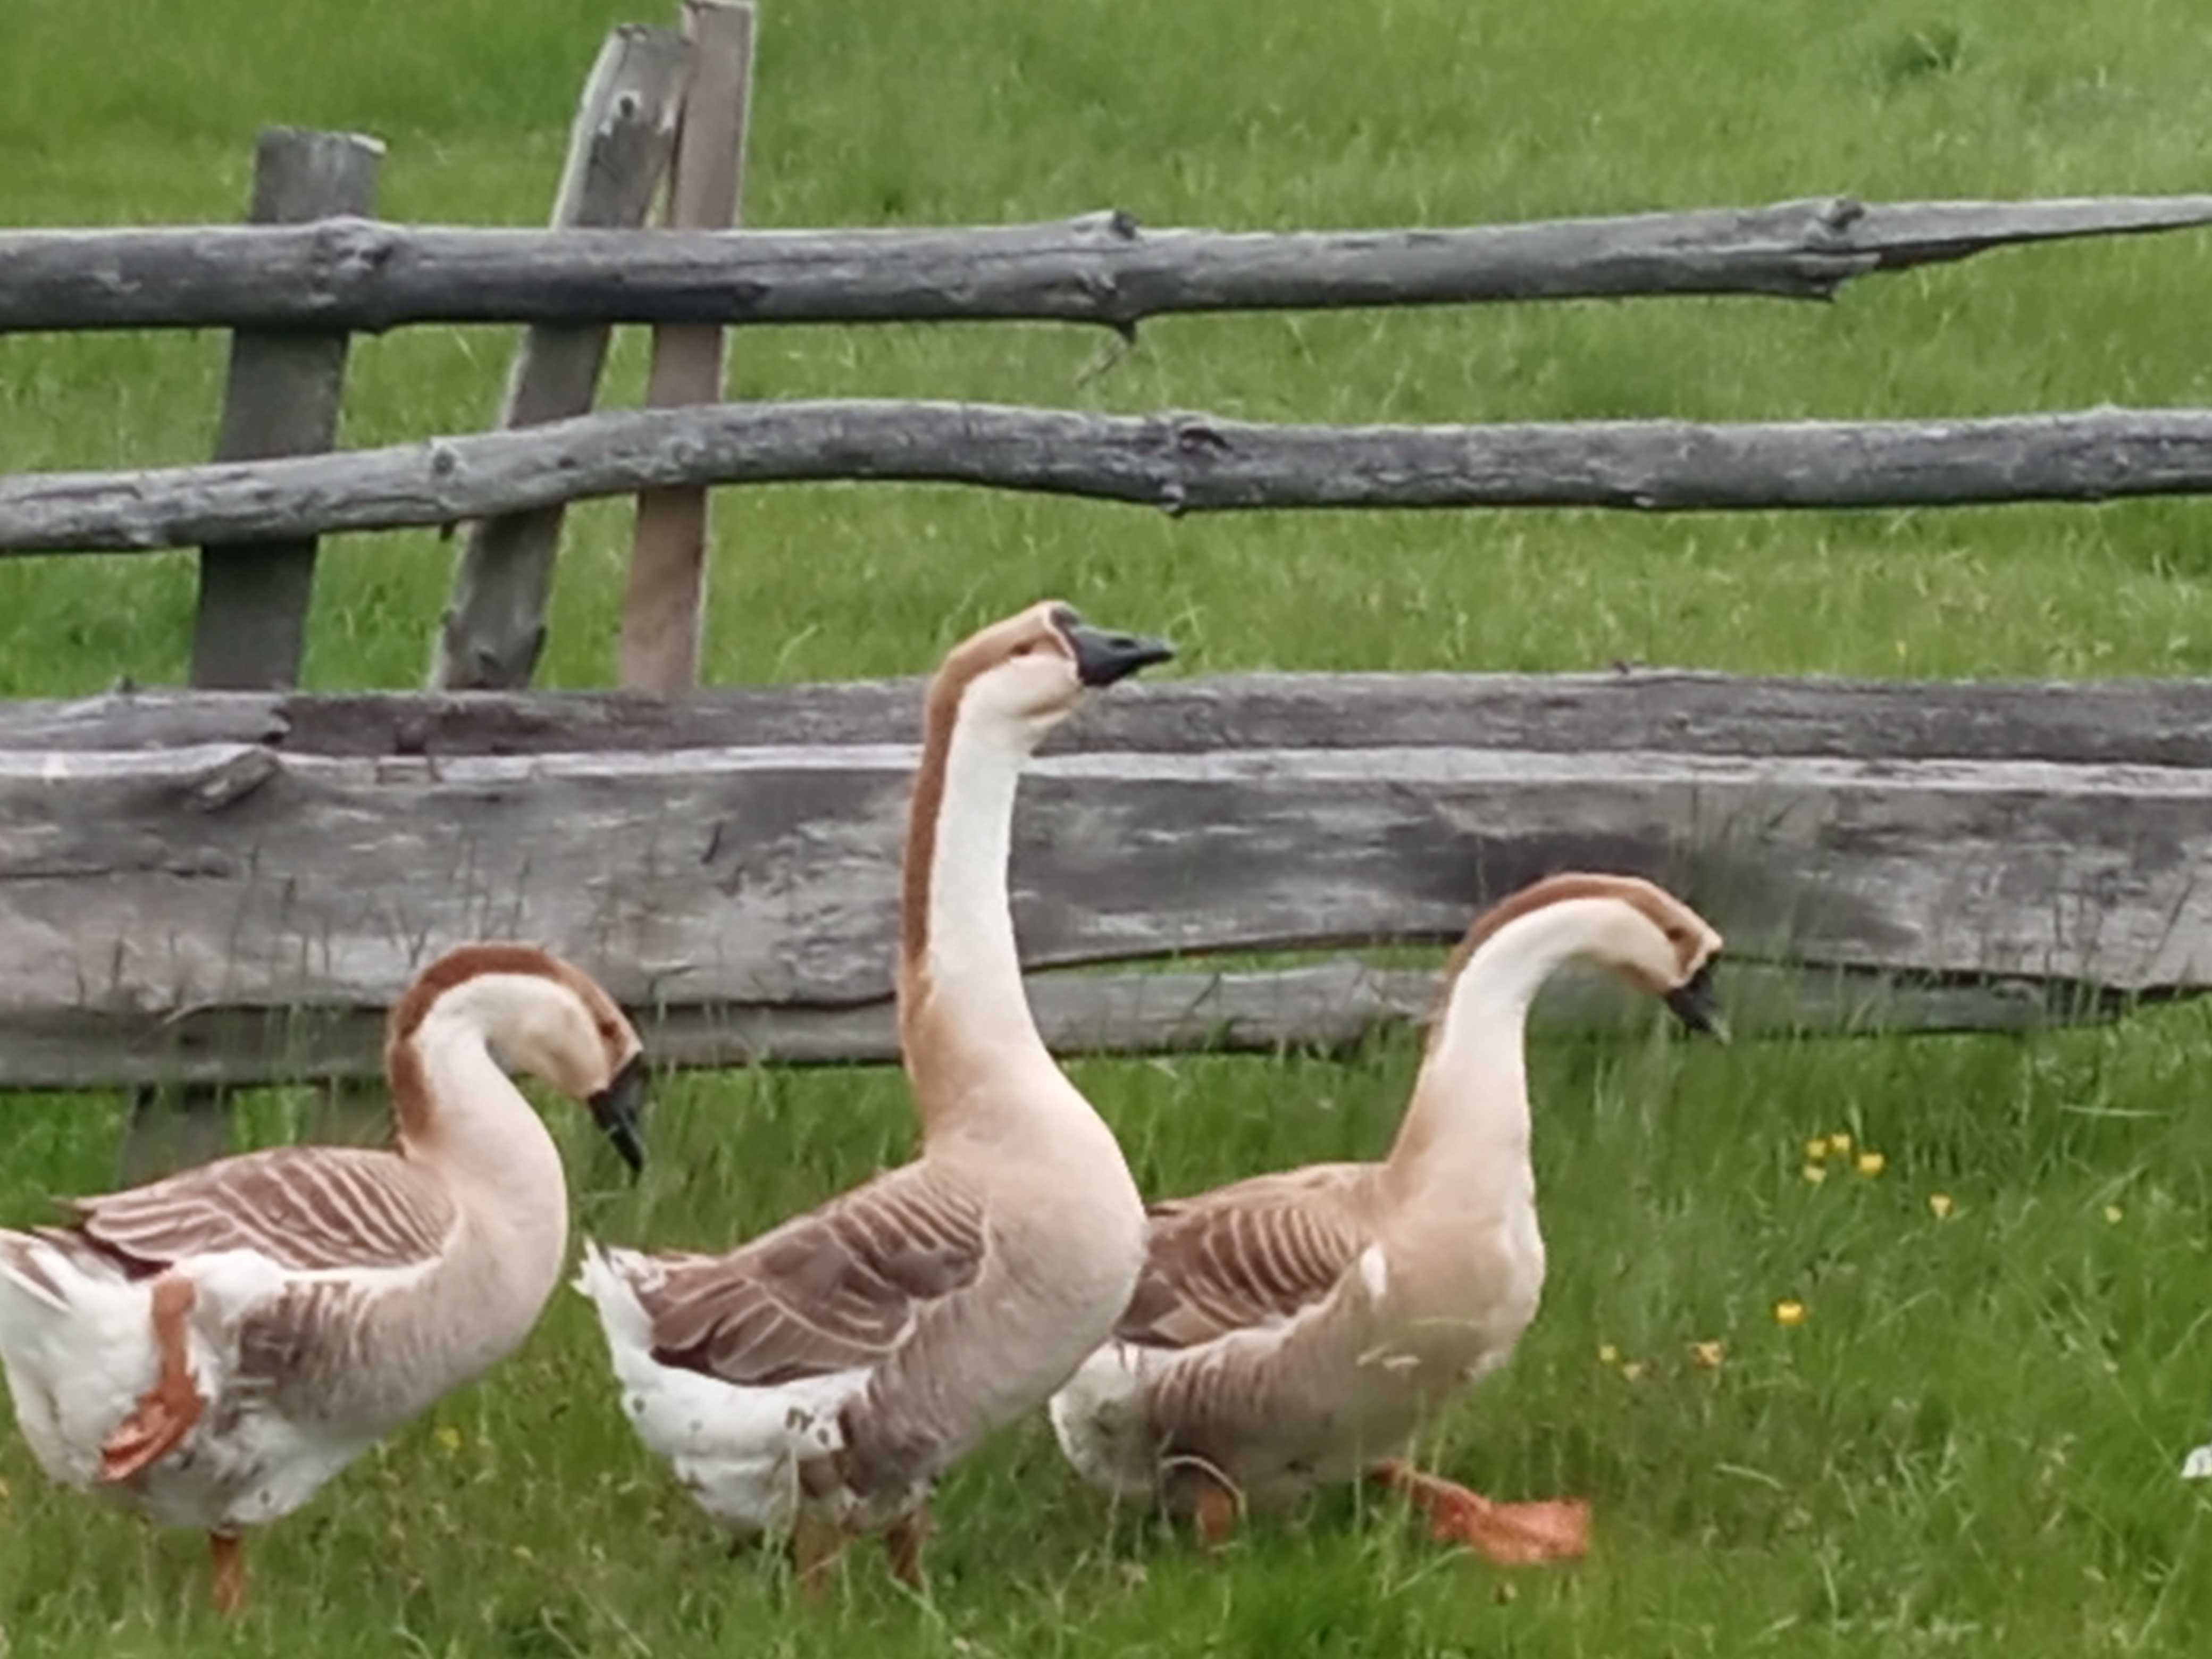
pixel 1470 1104
pixel 460 1115
pixel 962 999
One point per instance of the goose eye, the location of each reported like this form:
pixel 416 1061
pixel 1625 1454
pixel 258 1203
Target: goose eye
pixel 1023 648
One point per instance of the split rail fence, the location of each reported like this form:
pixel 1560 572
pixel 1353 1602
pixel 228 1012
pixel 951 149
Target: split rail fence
pixel 227 884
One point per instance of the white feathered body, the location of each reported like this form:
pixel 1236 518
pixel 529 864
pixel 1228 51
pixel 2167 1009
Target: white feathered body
pixel 301 1371
pixel 736 1448
pixel 79 1355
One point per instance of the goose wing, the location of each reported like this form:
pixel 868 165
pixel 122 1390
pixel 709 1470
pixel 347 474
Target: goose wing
pixel 1257 1252
pixel 840 1287
pixel 305 1208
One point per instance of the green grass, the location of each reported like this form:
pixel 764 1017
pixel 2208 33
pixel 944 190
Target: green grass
pixel 1969 1445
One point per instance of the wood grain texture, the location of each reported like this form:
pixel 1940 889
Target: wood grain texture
pixel 618 150
pixel 2120 722
pixel 281 399
pixel 242 875
pixel 1180 463
pixel 1324 1007
pixel 226 888
pixel 1101 268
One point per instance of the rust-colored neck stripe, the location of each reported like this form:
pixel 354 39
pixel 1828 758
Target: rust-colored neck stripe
pixel 1537 896
pixel 413 1109
pixel 941 714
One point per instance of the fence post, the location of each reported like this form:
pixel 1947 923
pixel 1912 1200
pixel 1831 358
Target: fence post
pixel 618 148
pixel 668 550
pixel 282 400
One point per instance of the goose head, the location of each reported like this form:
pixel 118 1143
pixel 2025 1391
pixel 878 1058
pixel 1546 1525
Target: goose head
pixel 1644 935
pixel 1632 928
pixel 538 1015
pixel 1023 675
pixel 1662 946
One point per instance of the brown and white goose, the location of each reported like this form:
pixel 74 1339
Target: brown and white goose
pixel 210 1348
pixel 816 1381
pixel 1298 1327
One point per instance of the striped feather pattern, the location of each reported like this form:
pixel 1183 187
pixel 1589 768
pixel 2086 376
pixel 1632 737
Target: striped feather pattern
pixel 1252 1254
pixel 838 1288
pixel 305 1208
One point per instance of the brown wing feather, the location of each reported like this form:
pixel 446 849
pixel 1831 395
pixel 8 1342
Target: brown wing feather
pixel 1248 1255
pixel 307 1208
pixel 839 1287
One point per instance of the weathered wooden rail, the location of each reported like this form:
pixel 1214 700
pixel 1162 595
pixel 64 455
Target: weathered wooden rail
pixel 1101 268
pixel 233 888
pixel 230 887
pixel 1180 463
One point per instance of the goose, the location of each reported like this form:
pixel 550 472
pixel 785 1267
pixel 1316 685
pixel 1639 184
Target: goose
pixel 810 1384
pixel 210 1349
pixel 1298 1327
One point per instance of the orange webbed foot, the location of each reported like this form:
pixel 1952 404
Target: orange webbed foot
pixel 1509 1534
pixel 1517 1534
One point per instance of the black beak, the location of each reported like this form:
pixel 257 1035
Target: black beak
pixel 1693 1005
pixel 1102 658
pixel 615 1108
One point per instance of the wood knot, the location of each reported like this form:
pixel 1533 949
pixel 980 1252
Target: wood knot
pixel 1194 434
pixel 232 779
pixel 1840 213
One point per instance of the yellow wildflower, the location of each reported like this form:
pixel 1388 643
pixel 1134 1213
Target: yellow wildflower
pixel 1789 1313
pixel 1632 1370
pixel 1872 1163
pixel 449 1438
pixel 1816 1149
pixel 1607 1354
pixel 2114 1212
pixel 1816 1173
pixel 1840 1143
pixel 1706 1356
pixel 1939 1205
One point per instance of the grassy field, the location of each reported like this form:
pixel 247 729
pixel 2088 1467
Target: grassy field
pixel 1969 1443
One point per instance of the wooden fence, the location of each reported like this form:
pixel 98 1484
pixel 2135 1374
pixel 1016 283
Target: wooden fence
pixel 228 885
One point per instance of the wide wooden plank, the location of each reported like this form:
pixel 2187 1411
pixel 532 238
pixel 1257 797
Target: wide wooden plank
pixel 1325 1007
pixel 239 875
pixel 2134 723
pixel 1101 268
pixel 1179 463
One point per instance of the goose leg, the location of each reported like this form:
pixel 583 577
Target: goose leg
pixel 1216 1510
pixel 165 1414
pixel 904 1539
pixel 1509 1534
pixel 1196 1484
pixel 1216 1513
pixel 815 1544
pixel 227 1551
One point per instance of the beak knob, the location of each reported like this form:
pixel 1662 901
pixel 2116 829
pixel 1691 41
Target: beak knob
pixel 1103 656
